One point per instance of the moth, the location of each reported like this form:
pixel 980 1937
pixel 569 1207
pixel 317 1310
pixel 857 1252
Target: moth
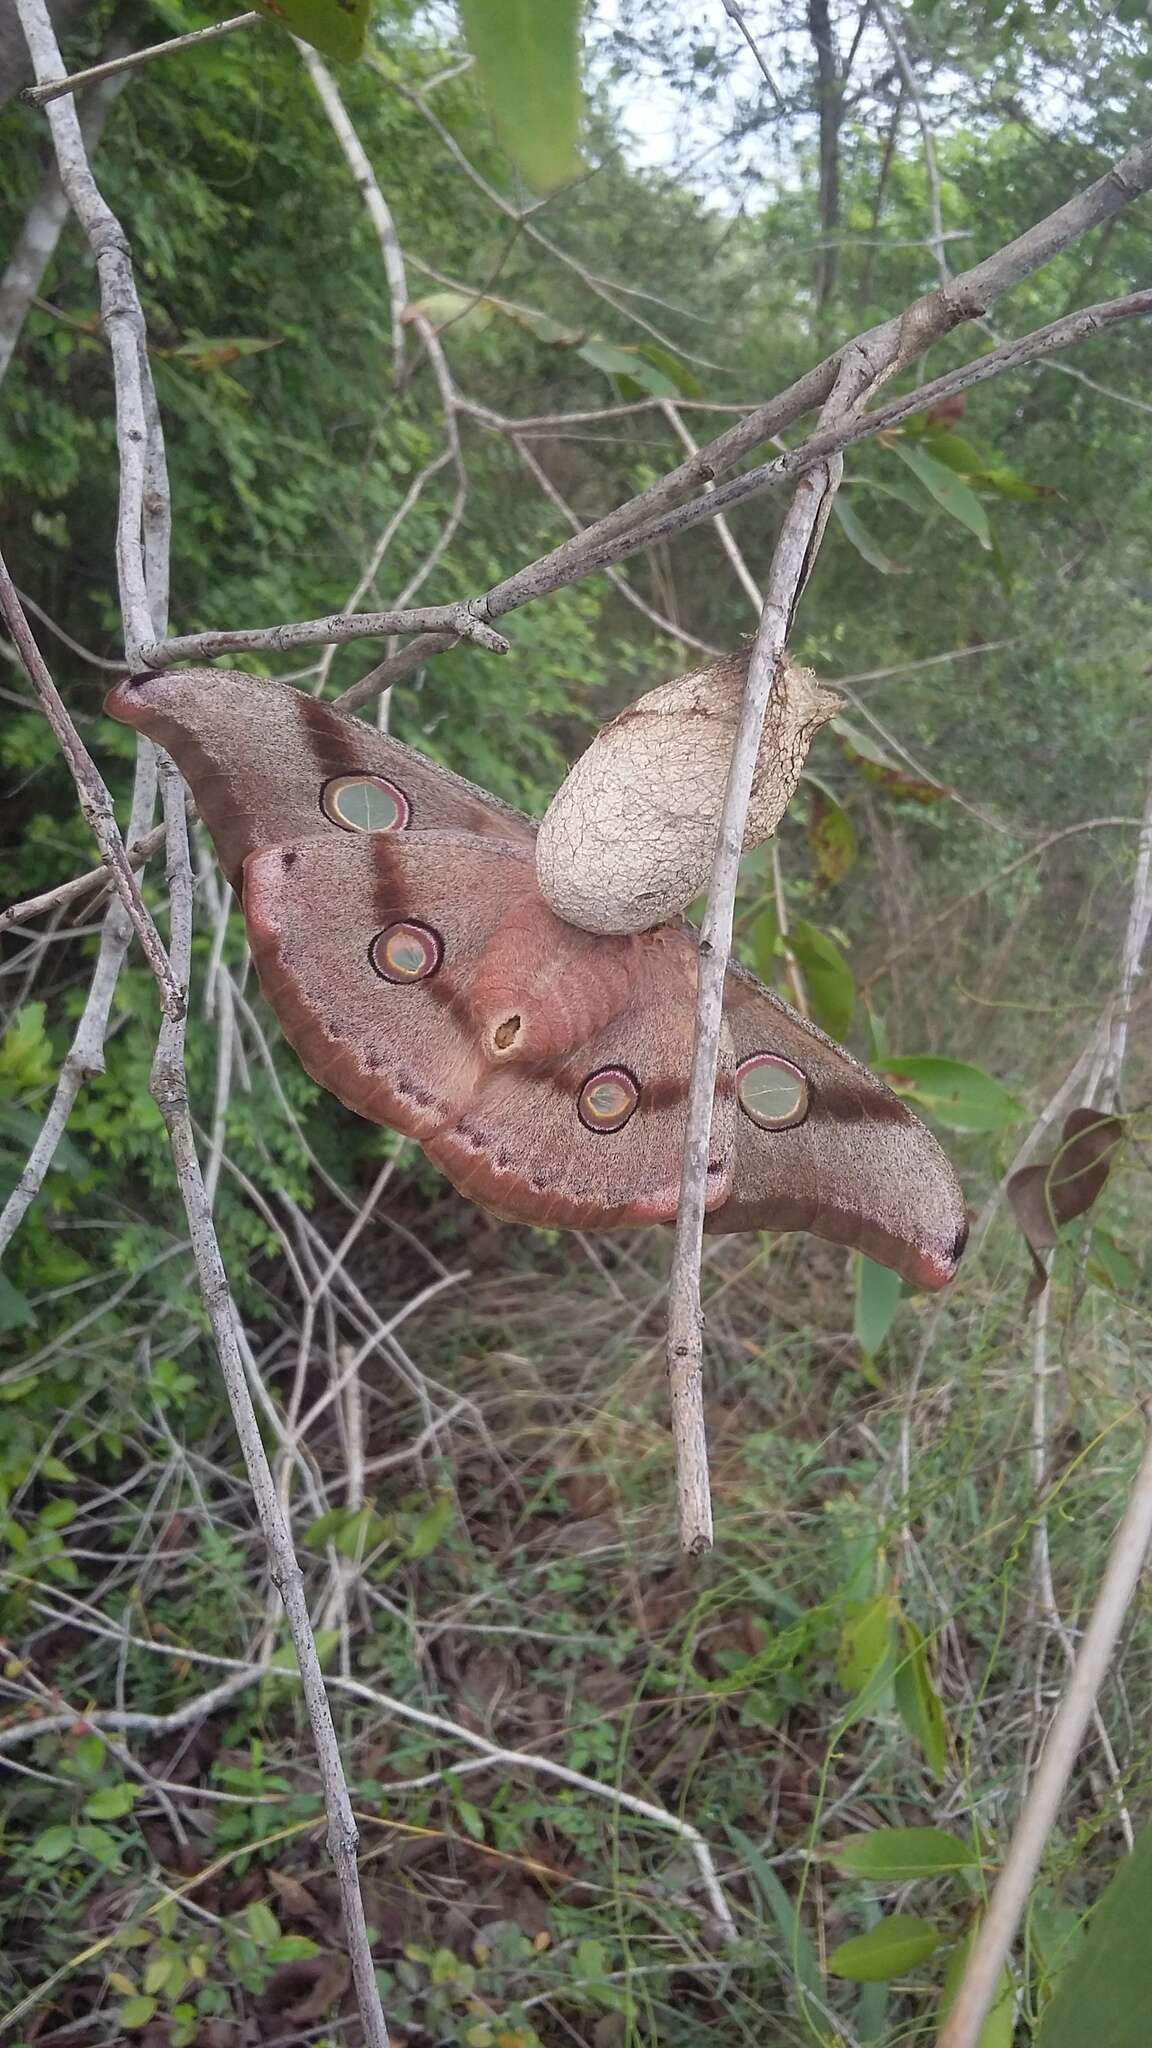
pixel 402 941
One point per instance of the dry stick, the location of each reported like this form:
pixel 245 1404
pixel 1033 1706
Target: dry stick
pixel 799 537
pixel 1038 1816
pixel 137 854
pixel 594 550
pixel 142 565
pixel 170 1092
pixel 95 802
pixel 56 88
pixel 357 159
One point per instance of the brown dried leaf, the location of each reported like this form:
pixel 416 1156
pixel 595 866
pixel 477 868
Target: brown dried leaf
pixel 1052 1193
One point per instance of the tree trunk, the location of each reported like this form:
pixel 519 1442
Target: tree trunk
pixel 830 105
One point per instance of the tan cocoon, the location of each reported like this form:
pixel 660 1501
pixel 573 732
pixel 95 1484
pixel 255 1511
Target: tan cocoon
pixel 628 839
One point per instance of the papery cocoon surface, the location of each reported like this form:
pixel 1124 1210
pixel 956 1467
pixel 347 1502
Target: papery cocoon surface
pixel 628 839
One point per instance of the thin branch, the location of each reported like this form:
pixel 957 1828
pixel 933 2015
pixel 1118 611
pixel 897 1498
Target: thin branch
pixel 736 13
pixel 137 853
pixel 57 88
pixel 458 620
pixel 1041 1808
pixel 170 1093
pixel 95 802
pixel 800 536
pixel 364 178
pixel 586 553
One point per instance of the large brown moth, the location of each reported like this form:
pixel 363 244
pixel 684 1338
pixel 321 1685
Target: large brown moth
pixel 401 938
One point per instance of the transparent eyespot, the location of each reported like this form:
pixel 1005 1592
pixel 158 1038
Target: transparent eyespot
pixel 406 952
pixel 607 1099
pixel 771 1091
pixel 365 803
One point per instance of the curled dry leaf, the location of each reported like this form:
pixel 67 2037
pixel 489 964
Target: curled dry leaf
pixel 1046 1196
pixel 628 839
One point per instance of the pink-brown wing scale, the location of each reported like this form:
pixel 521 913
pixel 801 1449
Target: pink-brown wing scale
pixel 860 1170
pixel 486 1058
pixel 257 755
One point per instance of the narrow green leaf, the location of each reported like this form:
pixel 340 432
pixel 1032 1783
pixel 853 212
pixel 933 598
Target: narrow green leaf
pixel 334 27
pixel 895 1855
pixel 863 540
pixel 635 365
pixel 866 1642
pixel 896 1944
pixel 1105 1994
pixel 763 938
pixel 877 1299
pixel 828 978
pixel 773 1896
pixel 527 57
pixel 471 1818
pixel 918 1701
pixel 963 1097
pixel 831 835
pixel 950 492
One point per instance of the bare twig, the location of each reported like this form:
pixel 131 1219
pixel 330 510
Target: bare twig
pixel 169 1090
pixel 56 88
pixel 137 853
pixel 364 177
pixel 95 801
pixel 643 520
pixel 1038 1816
pixel 800 536
pixel 736 13
pixel 458 620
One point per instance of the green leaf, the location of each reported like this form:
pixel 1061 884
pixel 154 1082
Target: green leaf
pixel 449 309
pixel 894 1855
pixel 23 1126
pixel 56 1514
pixel 292 1948
pixel 878 765
pixel 136 2012
pixel 16 1311
pixel 828 978
pixel 763 939
pixel 964 1098
pixel 1109 1265
pixel 1105 1995
pixel 527 57
pixel 831 835
pixel 644 367
pixel 894 1945
pixel 334 27
pixel 877 1299
pixel 773 1896
pixel 261 1923
pixel 953 496
pixel 430 1528
pixel 471 1819
pixel 999 2028
pixel 863 540
pixel 112 1802
pixel 25 1050
pixel 918 1701
pixel 54 1844
pixel 866 1643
